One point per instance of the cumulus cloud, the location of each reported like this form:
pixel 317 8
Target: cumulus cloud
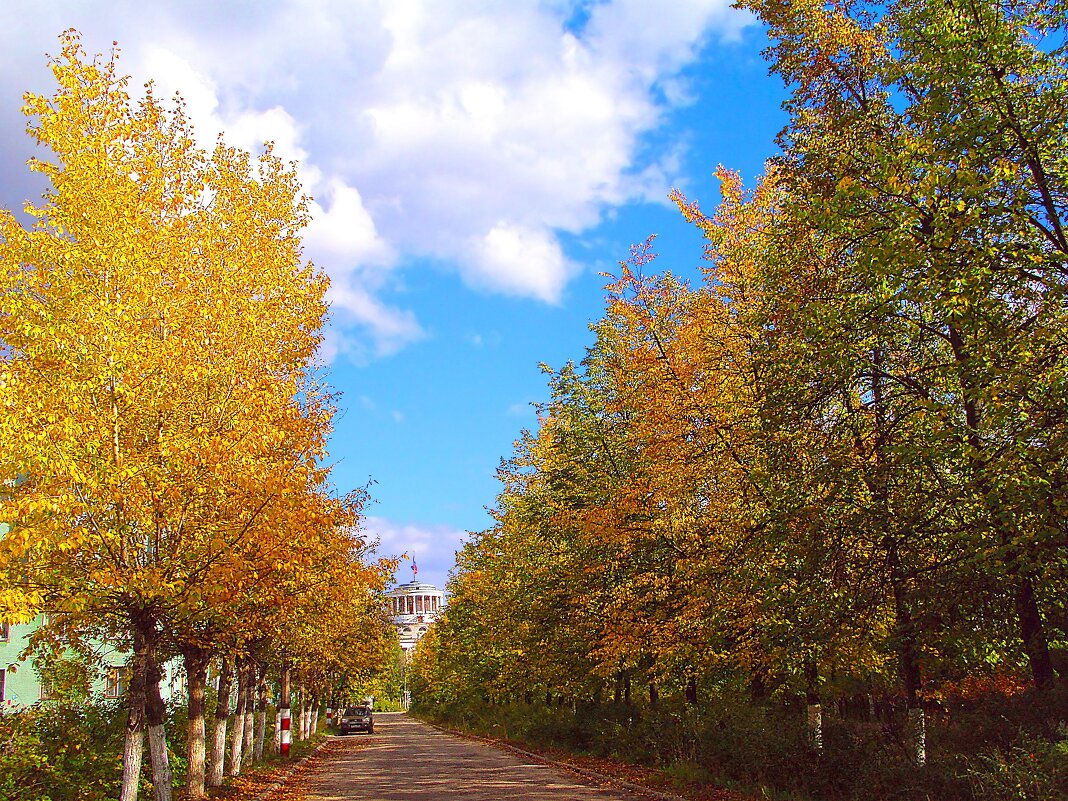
pixel 432 546
pixel 393 328
pixel 519 261
pixel 466 132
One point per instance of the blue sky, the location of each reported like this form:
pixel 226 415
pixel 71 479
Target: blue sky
pixel 475 166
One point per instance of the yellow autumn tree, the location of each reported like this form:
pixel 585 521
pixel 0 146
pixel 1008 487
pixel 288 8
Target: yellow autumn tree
pixel 158 326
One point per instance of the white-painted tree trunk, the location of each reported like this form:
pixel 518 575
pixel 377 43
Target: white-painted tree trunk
pixel 218 752
pixel 247 748
pixel 303 715
pixel 156 718
pixel 261 733
pixel 261 716
pixel 134 744
pixel 162 774
pixel 237 741
pixel 132 752
pixel 218 734
pixel 918 735
pixel 196 670
pixel 814 715
pixel 315 720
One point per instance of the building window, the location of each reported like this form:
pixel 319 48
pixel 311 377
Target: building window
pixel 3 685
pixel 46 691
pixel 5 632
pixel 117 677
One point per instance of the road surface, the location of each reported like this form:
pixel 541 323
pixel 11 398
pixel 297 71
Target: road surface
pixel 406 760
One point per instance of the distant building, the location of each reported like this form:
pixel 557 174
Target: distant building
pixel 413 607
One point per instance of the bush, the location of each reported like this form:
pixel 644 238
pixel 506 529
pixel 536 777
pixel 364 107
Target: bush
pixel 22 761
pixel 996 748
pixel 64 752
pixel 1031 770
pixel 73 751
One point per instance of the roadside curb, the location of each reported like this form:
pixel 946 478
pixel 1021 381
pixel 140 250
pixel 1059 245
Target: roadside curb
pixel 287 774
pixel 631 787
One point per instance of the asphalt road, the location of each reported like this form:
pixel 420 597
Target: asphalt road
pixel 406 760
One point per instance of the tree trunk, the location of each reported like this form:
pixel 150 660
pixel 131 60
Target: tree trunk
pixel 814 710
pixel 1032 632
pixel 250 709
pixel 654 694
pixel 132 751
pixel 237 741
pixel 156 717
pixel 814 720
pixel 1028 616
pixel 134 742
pixel 909 668
pixel 315 718
pixel 918 734
pixel 691 690
pixel 222 713
pixel 196 671
pixel 758 687
pixel 298 714
pixel 261 717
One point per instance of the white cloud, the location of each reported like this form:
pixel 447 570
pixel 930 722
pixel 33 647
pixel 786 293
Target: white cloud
pixel 519 261
pixel 392 328
pixel 464 131
pixel 432 546
pixel 342 231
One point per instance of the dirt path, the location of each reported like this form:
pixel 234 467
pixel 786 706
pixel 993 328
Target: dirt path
pixel 405 760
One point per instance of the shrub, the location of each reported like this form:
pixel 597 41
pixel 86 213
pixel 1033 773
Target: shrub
pixel 1033 769
pixel 993 748
pixel 22 761
pixel 73 751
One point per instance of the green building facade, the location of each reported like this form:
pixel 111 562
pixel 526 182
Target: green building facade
pixel 21 684
pixel 20 681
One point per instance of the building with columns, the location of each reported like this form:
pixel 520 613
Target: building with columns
pixel 413 607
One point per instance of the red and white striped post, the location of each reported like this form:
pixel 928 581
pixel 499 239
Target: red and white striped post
pixel 329 716
pixel 287 735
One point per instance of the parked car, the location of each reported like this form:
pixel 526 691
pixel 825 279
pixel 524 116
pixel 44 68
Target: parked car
pixel 357 718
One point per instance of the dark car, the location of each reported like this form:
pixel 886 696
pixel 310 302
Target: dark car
pixel 357 718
